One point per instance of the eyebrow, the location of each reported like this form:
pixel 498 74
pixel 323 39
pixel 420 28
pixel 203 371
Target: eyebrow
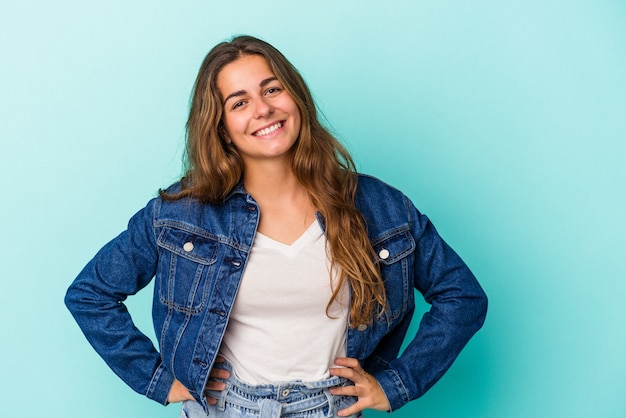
pixel 263 83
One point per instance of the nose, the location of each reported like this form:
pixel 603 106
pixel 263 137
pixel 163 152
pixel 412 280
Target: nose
pixel 263 109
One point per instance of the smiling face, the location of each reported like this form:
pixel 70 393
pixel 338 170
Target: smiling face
pixel 261 118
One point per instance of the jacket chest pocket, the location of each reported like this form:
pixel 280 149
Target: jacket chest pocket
pixel 186 265
pixel 393 251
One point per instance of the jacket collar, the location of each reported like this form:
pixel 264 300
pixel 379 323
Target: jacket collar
pixel 238 189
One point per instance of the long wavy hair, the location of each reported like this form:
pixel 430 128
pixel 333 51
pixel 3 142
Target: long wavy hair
pixel 213 167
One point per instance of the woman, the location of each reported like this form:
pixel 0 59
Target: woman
pixel 284 280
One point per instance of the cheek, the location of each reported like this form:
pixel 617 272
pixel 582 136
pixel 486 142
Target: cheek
pixel 297 120
pixel 297 117
pixel 231 126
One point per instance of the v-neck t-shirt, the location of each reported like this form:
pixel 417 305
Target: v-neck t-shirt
pixel 279 328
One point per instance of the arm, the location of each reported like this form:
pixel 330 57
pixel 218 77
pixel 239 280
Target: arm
pixel 458 309
pixel 457 312
pixel 95 298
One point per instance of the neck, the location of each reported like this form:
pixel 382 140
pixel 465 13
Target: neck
pixel 271 180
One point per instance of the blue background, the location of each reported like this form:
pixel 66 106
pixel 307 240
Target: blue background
pixel 504 122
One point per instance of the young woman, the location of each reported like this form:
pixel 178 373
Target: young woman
pixel 283 279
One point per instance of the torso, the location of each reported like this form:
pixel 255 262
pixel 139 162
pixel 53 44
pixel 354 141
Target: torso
pixel 279 327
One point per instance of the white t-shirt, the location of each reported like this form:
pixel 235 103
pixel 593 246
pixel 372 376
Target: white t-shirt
pixel 279 329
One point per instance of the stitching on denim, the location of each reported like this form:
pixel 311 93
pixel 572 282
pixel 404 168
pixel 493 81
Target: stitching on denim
pixel 400 238
pixel 164 223
pixel 164 241
pixel 169 298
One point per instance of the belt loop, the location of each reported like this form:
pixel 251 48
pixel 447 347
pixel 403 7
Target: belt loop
pixel 331 402
pixel 269 408
pixel 221 402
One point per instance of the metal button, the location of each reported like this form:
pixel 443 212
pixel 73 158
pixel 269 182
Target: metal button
pixel 286 392
pixel 384 254
pixel 188 246
pixel 362 327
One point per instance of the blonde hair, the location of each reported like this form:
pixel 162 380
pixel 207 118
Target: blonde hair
pixel 320 163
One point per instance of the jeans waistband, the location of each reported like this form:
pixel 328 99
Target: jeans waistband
pixel 275 399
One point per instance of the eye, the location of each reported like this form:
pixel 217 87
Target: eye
pixel 238 104
pixel 273 90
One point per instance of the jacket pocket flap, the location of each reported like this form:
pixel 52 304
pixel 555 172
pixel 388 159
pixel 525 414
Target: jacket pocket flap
pixel 194 247
pixel 394 247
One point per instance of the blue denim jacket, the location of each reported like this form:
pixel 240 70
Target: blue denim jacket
pixel 197 254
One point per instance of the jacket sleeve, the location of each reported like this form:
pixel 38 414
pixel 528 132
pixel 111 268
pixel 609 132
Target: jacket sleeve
pixel 458 310
pixel 96 300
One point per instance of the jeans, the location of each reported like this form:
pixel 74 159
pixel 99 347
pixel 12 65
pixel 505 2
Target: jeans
pixel 286 399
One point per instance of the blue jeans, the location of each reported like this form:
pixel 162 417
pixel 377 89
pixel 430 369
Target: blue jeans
pixel 286 399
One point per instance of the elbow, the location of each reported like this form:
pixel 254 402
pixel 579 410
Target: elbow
pixel 71 298
pixel 75 298
pixel 485 306
pixel 481 304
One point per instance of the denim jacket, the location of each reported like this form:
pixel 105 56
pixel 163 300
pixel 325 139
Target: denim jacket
pixel 197 253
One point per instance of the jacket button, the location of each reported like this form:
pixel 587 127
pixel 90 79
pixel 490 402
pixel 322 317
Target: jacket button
pixel 384 254
pixel 362 327
pixel 188 246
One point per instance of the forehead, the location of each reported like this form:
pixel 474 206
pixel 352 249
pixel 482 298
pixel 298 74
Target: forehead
pixel 244 73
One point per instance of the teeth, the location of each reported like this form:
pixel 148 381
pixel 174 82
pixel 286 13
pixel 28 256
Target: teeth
pixel 269 129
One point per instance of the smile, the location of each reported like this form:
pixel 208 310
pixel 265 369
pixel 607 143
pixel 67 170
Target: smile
pixel 269 129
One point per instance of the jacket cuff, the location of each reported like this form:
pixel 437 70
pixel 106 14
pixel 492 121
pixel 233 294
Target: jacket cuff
pixel 397 394
pixel 160 385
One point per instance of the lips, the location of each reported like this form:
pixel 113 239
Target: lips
pixel 269 129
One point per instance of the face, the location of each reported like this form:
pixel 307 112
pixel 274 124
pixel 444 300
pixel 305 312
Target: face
pixel 261 118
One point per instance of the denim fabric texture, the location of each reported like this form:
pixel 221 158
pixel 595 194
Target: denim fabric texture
pixel 197 253
pixel 286 399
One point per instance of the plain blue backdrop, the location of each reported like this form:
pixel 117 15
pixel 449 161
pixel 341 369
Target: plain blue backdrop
pixel 504 121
